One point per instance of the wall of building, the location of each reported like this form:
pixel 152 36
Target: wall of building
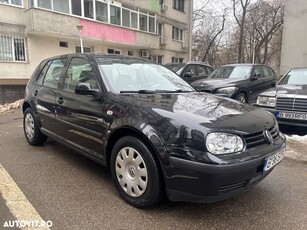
pixel 294 46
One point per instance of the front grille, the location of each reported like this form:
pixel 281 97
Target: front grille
pixel 291 104
pixel 256 139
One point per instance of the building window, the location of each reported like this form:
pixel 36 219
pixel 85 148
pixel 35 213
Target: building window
pixel 113 51
pixel 130 53
pixel 88 9
pixel 111 12
pixel 12 2
pixel 178 5
pixel 85 49
pixel 44 4
pixel 177 34
pixel 177 60
pixel 134 20
pixel 101 11
pixel 12 49
pixel 61 6
pixel 115 15
pixel 143 22
pixel 63 44
pixel 158 59
pixel 76 7
pixel 126 18
pixel 152 23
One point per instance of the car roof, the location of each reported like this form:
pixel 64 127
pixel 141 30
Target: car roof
pixel 101 55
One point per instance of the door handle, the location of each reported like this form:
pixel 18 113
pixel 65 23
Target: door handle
pixel 35 93
pixel 60 100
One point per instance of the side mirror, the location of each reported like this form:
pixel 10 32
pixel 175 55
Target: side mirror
pixel 188 74
pixel 273 83
pixel 256 76
pixel 86 89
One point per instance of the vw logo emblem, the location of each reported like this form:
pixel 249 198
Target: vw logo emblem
pixel 268 136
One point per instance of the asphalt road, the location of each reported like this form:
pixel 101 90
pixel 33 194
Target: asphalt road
pixel 76 193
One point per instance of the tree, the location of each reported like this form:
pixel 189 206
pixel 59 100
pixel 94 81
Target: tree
pixel 208 27
pixel 240 17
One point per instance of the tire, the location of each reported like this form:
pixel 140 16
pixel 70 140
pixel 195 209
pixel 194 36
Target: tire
pixel 135 173
pixel 241 98
pixel 31 128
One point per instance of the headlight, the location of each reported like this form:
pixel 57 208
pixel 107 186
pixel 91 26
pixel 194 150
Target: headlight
pixel 266 101
pixel 223 143
pixel 227 90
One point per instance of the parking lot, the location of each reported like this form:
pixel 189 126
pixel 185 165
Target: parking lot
pixel 76 193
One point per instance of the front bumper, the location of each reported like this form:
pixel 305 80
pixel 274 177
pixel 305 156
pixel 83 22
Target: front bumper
pixel 205 183
pixel 283 121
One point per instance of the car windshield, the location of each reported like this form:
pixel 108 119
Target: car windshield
pixel 231 72
pixel 133 75
pixel 175 67
pixel 295 77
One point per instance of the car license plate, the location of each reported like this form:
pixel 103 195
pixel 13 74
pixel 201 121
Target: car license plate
pixel 273 160
pixel 291 115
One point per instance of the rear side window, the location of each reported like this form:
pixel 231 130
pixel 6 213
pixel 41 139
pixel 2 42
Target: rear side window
pixel 53 74
pixel 267 72
pixel 202 71
pixel 42 74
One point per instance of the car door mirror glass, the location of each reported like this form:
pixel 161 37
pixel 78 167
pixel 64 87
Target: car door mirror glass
pixel 86 89
pixel 188 74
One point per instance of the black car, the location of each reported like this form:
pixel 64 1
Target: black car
pixel 288 102
pixel 243 82
pixel 191 71
pixel 155 132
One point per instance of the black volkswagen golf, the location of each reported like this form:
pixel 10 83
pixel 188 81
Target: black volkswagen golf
pixel 156 133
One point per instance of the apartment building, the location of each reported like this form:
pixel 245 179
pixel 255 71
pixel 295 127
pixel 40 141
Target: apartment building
pixel 36 29
pixel 294 46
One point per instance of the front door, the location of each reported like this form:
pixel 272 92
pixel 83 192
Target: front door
pixel 79 117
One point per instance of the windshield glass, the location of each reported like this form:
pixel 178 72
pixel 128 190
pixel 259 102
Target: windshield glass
pixel 295 77
pixel 231 72
pixel 132 75
pixel 175 67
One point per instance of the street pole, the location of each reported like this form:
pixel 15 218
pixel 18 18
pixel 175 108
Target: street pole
pixel 80 27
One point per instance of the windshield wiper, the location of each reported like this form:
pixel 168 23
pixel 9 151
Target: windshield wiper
pixel 141 91
pixel 174 91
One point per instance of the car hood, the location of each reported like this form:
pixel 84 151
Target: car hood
pixel 215 83
pixel 292 89
pixel 286 90
pixel 196 111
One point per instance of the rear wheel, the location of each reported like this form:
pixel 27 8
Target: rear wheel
pixel 241 97
pixel 135 172
pixel 31 128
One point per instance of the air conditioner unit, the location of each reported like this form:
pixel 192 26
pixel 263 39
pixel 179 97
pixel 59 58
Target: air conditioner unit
pixel 144 53
pixel 164 7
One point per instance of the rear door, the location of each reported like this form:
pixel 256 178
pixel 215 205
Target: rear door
pixel 45 93
pixel 79 119
pixel 257 83
pixel 269 77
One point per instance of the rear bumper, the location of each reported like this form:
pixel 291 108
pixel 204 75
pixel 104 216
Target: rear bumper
pixel 205 183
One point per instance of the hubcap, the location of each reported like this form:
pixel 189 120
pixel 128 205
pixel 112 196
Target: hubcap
pixel 242 99
pixel 131 172
pixel 29 126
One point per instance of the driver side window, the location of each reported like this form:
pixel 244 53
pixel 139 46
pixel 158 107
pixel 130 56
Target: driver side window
pixel 79 71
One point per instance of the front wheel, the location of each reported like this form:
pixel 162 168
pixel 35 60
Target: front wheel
pixel 135 172
pixel 241 98
pixel 31 128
